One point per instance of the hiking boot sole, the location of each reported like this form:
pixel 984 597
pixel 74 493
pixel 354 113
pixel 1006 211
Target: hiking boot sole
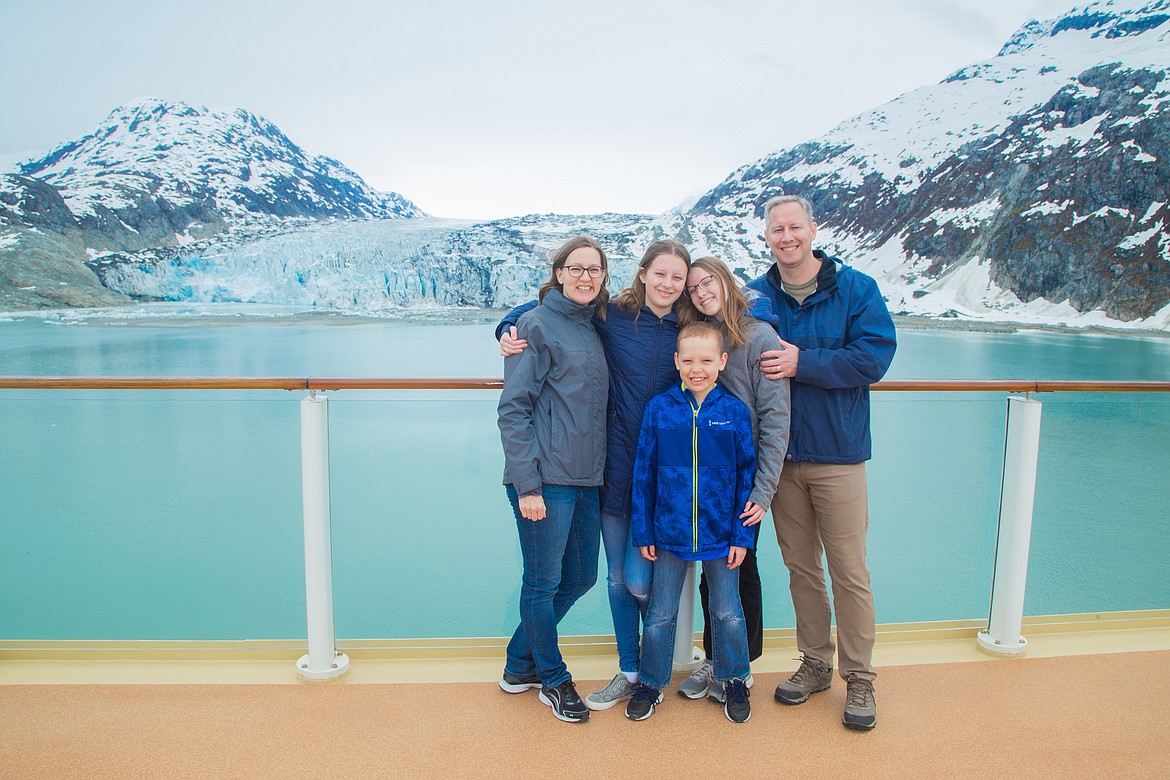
pixel 865 725
pixel 794 697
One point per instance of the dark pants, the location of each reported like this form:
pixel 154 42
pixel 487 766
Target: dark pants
pixel 753 607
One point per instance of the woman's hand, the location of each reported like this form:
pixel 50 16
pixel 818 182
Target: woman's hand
pixel 532 507
pixel 736 556
pixel 649 553
pixel 752 513
pixel 510 345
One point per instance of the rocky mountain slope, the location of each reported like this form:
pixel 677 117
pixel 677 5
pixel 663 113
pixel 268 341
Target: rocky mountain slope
pixel 1034 184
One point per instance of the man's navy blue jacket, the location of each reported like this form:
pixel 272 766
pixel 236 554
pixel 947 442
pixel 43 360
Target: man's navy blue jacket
pixel 846 340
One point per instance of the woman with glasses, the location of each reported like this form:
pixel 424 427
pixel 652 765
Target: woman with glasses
pixel 552 415
pixel 638 332
pixel 714 293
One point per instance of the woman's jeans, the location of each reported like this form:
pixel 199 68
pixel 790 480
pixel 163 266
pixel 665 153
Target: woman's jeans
pixel 560 566
pixel 726 616
pixel 628 577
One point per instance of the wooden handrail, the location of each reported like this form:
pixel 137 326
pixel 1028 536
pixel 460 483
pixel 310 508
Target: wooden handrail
pixel 488 383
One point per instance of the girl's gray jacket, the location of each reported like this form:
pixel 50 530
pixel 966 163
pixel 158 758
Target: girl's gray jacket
pixel 552 408
pixel 768 400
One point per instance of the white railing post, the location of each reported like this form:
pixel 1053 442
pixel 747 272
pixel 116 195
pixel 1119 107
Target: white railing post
pixel 322 662
pixel 684 632
pixel 1021 454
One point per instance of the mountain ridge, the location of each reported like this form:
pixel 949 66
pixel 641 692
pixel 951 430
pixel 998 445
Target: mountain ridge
pixel 1032 186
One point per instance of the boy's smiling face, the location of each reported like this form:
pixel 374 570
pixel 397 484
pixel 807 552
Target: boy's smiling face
pixel 699 360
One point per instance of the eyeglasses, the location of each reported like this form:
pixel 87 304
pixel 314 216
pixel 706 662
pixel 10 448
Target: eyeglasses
pixel 704 284
pixel 575 271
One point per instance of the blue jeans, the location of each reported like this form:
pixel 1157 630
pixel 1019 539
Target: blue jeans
pixel 560 566
pixel 628 577
pixel 726 615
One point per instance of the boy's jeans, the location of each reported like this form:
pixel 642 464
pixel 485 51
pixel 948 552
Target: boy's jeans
pixel 560 566
pixel 628 577
pixel 727 625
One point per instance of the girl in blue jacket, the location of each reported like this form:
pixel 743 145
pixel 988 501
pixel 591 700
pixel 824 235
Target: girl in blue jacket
pixel 638 333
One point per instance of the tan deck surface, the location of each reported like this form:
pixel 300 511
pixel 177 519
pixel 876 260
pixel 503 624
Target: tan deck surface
pixel 1067 716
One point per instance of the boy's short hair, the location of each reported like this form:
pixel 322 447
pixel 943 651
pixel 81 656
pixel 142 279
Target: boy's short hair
pixel 702 330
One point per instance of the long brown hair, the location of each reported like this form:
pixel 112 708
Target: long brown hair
pixel 558 261
pixel 633 298
pixel 734 305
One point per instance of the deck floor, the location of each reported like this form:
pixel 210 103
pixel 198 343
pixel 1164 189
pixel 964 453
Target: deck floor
pixel 1067 716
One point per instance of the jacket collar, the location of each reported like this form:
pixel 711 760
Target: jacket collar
pixel 556 301
pixel 680 393
pixel 826 277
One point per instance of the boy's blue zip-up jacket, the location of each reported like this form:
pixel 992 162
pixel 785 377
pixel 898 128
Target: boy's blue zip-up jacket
pixel 846 339
pixel 639 348
pixel 693 475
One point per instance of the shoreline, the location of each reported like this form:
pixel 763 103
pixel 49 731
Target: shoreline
pixel 163 314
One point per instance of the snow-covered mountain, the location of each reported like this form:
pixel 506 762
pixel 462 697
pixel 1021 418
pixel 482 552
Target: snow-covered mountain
pixel 157 174
pixel 1033 185
pixel 162 169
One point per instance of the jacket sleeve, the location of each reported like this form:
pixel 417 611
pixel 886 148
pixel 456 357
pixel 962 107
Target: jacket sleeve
pixel 645 480
pixel 745 469
pixel 760 307
pixel 868 347
pixel 524 377
pixel 512 317
pixel 774 412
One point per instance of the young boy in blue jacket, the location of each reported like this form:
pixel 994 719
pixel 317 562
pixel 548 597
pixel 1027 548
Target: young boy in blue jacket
pixel 692 476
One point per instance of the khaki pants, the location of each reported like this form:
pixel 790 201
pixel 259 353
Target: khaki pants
pixel 819 508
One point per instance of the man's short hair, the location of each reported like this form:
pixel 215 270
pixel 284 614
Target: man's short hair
pixel 781 199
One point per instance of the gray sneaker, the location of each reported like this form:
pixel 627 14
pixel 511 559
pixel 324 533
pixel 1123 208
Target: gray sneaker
pixel 860 706
pixel 716 691
pixel 809 678
pixel 619 689
pixel 700 681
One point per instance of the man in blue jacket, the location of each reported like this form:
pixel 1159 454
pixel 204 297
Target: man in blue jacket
pixel 837 338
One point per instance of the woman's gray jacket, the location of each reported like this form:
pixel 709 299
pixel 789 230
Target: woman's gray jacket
pixel 552 408
pixel 769 401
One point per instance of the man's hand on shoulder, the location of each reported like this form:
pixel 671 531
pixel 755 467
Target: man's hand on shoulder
pixel 775 363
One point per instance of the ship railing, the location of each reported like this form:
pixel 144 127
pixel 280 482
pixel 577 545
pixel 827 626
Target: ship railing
pixel 324 661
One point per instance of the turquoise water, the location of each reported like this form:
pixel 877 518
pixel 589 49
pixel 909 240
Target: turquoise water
pixel 176 515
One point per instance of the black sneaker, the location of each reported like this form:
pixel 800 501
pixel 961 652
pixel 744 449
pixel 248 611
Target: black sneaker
pixel 565 702
pixel 736 706
pixel 510 683
pixel 641 705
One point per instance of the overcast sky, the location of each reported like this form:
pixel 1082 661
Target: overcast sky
pixel 489 109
